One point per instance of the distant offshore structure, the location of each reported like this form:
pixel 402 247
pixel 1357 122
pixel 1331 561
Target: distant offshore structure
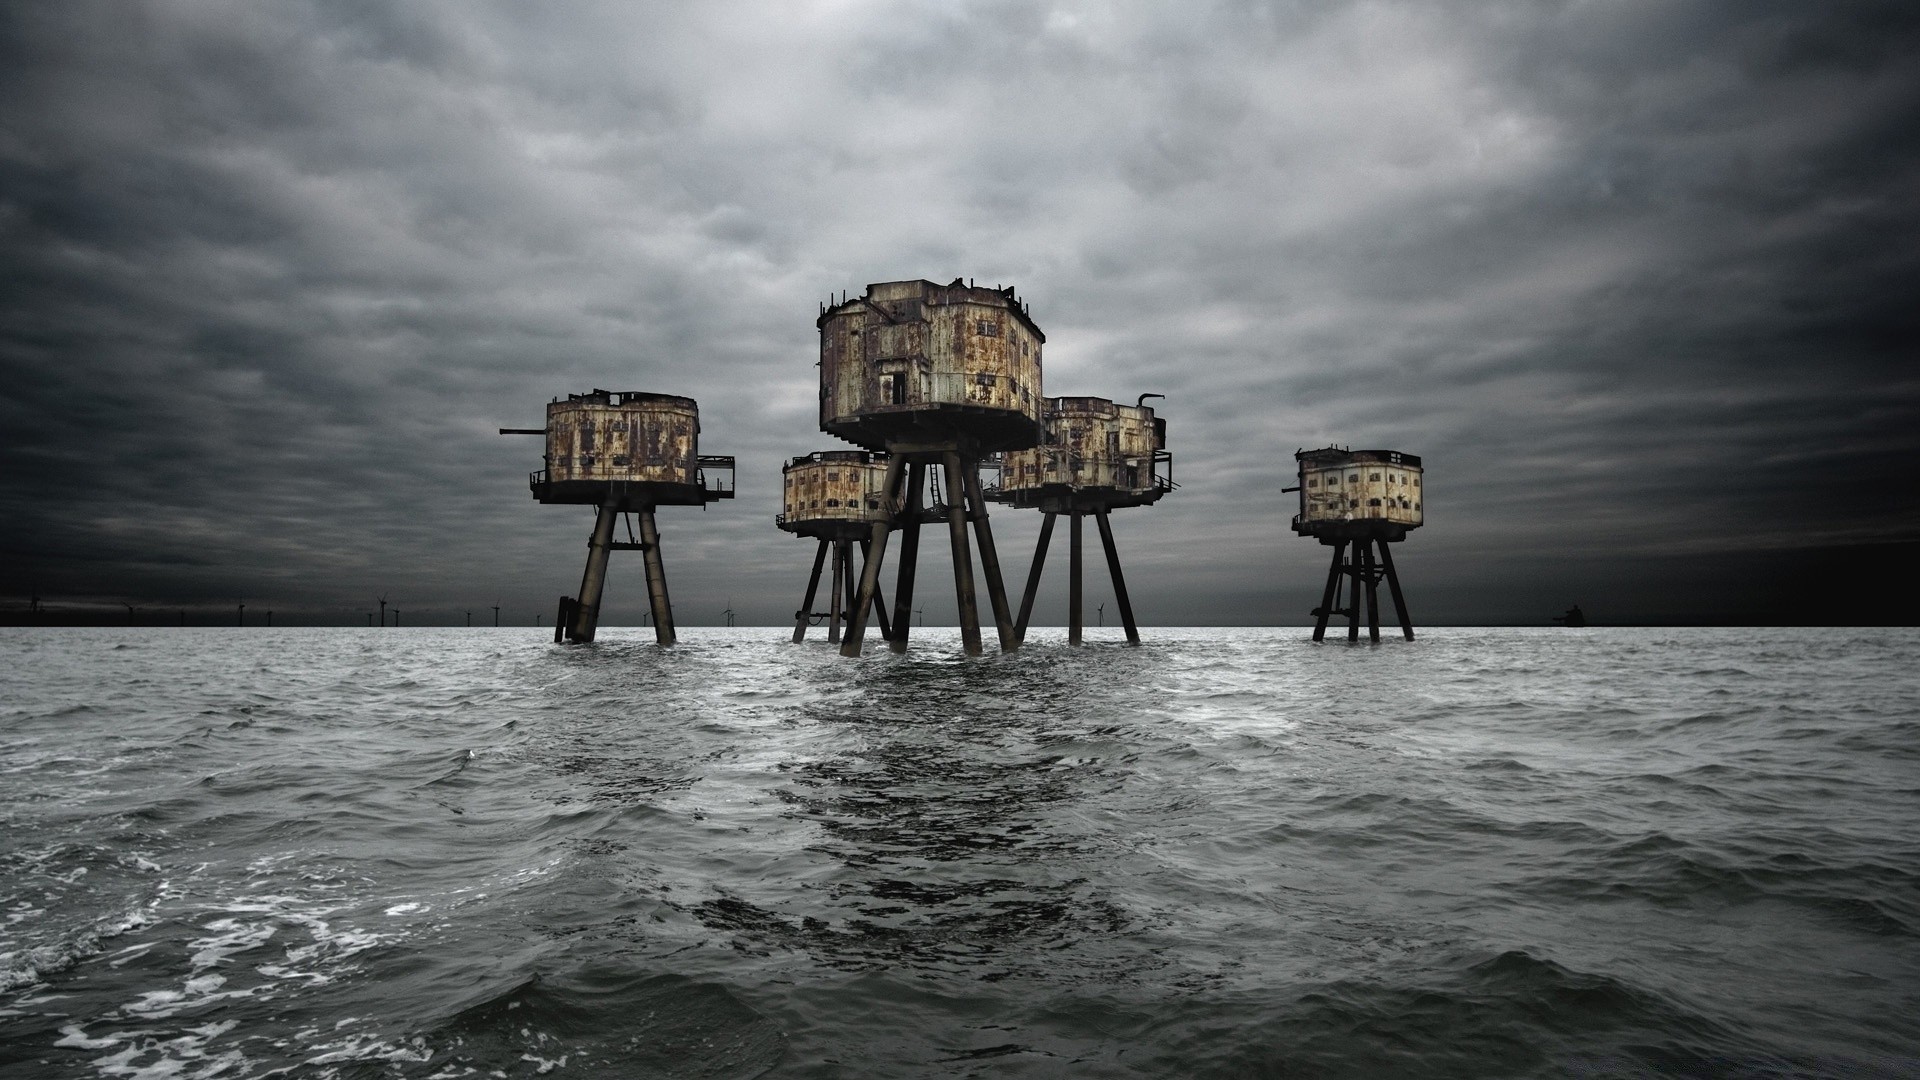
pixel 1363 499
pixel 835 497
pixel 1097 456
pixel 624 453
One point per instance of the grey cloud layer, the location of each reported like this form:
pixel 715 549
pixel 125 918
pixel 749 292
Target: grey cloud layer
pixel 1635 278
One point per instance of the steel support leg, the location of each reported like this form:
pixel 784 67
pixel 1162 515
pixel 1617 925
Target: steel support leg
pixel 1074 622
pixel 1331 596
pixel 562 620
pixel 989 558
pixel 657 598
pixel 962 557
pixel 1033 576
pixel 1373 591
pixel 1119 582
pixel 586 613
pixel 870 574
pixel 879 601
pixel 836 601
pixel 1353 594
pixel 909 557
pixel 801 617
pixel 1393 585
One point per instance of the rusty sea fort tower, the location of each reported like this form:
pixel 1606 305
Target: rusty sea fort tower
pixel 1096 456
pixel 1363 500
pixel 624 453
pixel 836 497
pixel 938 377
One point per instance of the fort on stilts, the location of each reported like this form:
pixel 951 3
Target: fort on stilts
pixel 1096 456
pixel 1358 502
pixel 934 383
pixel 624 454
pixel 835 497
pixel 938 377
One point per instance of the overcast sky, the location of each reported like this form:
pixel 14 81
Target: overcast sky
pixel 1637 279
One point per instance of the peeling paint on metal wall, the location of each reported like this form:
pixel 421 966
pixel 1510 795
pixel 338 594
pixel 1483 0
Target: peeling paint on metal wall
pixel 832 491
pixel 1090 443
pixel 913 345
pixel 1361 486
pixel 640 441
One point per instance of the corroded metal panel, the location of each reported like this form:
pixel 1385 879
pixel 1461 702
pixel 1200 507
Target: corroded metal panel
pixel 926 360
pixel 648 438
pixel 1349 493
pixel 833 493
pixel 628 449
pixel 1095 452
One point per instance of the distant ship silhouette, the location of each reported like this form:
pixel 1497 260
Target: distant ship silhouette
pixel 1573 617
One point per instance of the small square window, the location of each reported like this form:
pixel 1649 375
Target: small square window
pixel 1374 478
pixel 1353 478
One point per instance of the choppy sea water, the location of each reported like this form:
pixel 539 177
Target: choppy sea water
pixel 443 853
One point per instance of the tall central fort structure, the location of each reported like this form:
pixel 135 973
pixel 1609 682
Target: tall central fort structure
pixel 938 377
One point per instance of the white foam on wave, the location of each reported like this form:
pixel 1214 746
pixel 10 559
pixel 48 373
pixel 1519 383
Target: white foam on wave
pixel 183 1056
pixel 29 966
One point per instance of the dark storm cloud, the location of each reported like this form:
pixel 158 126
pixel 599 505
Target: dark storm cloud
pixel 1635 279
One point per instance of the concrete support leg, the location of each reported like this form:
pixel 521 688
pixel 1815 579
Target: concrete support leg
pixel 1331 596
pixel 870 573
pixel 1393 585
pixel 909 557
pixel 1119 582
pixel 1075 624
pixel 657 598
pixel 837 598
pixel 962 557
pixel 989 558
pixel 586 612
pixel 801 617
pixel 1373 591
pixel 1033 576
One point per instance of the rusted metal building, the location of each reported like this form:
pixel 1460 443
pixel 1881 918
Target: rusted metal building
pixel 1363 499
pixel 836 497
pixel 1096 456
pixel 624 453
pixel 916 362
pixel 935 375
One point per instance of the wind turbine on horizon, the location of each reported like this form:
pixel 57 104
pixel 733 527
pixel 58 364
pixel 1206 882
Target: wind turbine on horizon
pixel 729 612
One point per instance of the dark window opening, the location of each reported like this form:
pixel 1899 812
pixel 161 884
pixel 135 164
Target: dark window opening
pixel 897 388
